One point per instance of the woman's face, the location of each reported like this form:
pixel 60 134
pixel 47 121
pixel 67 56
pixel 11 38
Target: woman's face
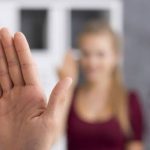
pixel 98 58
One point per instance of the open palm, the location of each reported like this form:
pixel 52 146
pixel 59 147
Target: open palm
pixel 27 122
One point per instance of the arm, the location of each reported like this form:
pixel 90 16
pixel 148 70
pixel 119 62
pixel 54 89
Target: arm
pixel 69 68
pixel 136 117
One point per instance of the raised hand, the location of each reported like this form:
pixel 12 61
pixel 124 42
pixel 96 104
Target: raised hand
pixel 27 122
pixel 69 67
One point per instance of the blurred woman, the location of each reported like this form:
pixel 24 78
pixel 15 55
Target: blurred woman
pixel 102 114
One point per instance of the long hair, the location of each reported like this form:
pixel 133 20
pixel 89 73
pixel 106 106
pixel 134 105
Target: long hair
pixel 118 97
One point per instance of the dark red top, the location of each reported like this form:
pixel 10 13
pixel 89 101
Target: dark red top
pixel 106 135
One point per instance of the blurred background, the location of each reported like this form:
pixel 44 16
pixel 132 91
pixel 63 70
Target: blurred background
pixel 52 26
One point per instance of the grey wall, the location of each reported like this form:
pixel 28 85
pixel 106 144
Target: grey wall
pixel 137 53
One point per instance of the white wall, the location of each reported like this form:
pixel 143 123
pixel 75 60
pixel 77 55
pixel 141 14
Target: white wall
pixel 58 33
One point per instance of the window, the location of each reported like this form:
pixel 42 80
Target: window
pixel 80 17
pixel 34 26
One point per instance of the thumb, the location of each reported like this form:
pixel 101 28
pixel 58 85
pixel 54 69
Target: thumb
pixel 58 95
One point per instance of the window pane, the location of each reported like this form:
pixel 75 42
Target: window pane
pixel 80 17
pixel 34 26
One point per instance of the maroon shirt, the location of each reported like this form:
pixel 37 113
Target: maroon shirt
pixel 106 135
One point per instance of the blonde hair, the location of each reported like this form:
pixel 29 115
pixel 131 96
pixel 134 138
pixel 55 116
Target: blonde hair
pixel 118 99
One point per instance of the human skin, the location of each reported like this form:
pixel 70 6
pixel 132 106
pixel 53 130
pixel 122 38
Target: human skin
pixel 27 121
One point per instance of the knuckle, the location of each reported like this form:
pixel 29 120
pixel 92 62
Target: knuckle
pixel 19 50
pixel 3 73
pixel 9 46
pixel 1 56
pixel 55 93
pixel 6 91
pixel 26 65
pixel 13 63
